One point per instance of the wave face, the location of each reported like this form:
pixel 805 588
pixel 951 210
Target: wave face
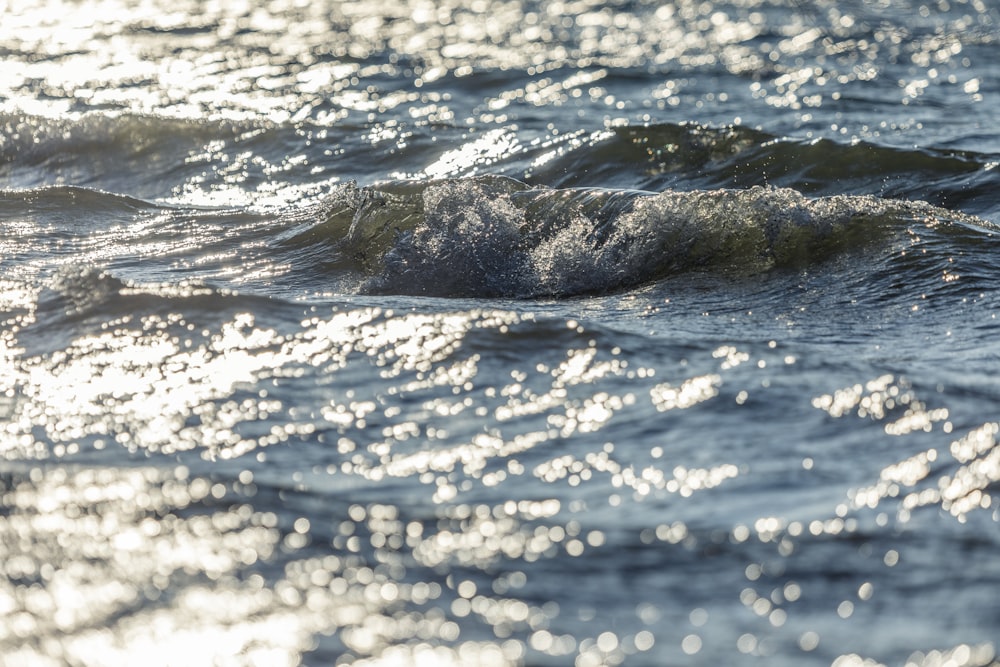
pixel 498 237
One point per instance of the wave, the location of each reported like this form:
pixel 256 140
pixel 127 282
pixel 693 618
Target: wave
pixel 691 155
pixel 70 197
pixel 146 156
pixel 589 214
pixel 162 158
pixel 493 236
pixel 484 237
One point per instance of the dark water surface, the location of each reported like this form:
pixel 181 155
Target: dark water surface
pixel 500 333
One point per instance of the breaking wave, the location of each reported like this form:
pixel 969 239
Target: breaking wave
pixel 492 236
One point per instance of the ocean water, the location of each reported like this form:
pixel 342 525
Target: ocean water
pixel 501 332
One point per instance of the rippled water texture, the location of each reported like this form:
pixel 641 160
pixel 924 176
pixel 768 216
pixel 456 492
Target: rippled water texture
pixel 499 333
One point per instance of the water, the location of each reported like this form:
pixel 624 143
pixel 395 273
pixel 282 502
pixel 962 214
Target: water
pixel 501 333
